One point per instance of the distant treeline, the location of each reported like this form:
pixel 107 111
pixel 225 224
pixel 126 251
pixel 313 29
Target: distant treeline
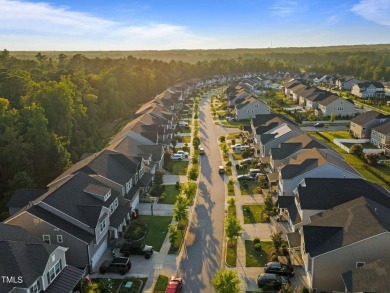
pixel 56 106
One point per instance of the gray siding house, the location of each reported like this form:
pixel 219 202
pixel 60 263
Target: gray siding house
pixel 80 213
pixel 250 107
pixel 380 135
pixel 362 124
pixel 35 265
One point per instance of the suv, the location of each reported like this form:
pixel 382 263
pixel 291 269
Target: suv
pixel 201 151
pixel 130 247
pixel 221 170
pixel 118 265
pixel 279 268
pixel 254 172
pixel 271 281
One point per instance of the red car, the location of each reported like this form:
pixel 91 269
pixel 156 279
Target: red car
pixel 174 285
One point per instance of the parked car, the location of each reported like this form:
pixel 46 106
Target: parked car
pixel 254 172
pixel 118 265
pixel 239 147
pixel 245 178
pixel 201 151
pixel 319 124
pixel 230 119
pixel 183 123
pixel 247 161
pixel 131 247
pixel 174 285
pixel 183 153
pixel 221 170
pixel 268 281
pixel 381 162
pixel 279 268
pixel 177 156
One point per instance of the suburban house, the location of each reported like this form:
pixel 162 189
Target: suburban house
pixel 311 101
pixel 80 213
pixel 362 124
pixel 132 146
pixel 31 265
pixel 295 91
pixel 250 107
pixel 335 105
pixel 369 89
pixel 368 277
pixel 314 195
pixel 114 169
pixel 380 135
pixel 386 86
pixel 305 94
pixel 314 163
pixel 280 155
pixel 341 239
pixel 289 85
pixel 346 83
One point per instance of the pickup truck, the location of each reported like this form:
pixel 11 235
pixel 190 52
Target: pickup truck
pixel 118 265
pixel 136 248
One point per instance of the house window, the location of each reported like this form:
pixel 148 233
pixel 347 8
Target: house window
pixel 36 287
pixel 102 225
pixel 54 271
pixel 59 239
pixel 46 238
pixel 360 264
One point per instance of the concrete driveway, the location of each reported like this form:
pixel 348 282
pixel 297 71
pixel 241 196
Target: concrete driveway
pixel 330 128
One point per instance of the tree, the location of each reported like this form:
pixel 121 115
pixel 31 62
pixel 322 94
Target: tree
pixel 180 210
pixel 105 285
pixel 172 234
pixel 233 229
pixel 372 158
pixel 332 117
pixel 357 150
pixel 277 240
pixel 158 182
pixel 269 206
pixel 226 281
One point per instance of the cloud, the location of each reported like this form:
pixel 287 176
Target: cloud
pixel 374 10
pixel 41 26
pixel 284 8
pixel 332 19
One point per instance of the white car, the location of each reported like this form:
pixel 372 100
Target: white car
pixel 177 157
pixel 230 119
pixel 183 124
pixel 183 154
pixel 239 147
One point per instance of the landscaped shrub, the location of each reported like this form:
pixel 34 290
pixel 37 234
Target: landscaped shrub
pixel 222 138
pixel 256 240
pixel 229 164
pixel 284 250
pixel 274 258
pixel 163 196
pixel 233 141
pixel 193 174
pixel 257 246
pixel 195 160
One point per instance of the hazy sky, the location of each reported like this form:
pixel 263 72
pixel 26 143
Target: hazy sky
pixel 190 24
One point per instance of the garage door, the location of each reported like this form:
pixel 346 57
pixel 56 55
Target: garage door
pixel 98 254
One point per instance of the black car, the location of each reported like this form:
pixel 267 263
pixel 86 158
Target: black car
pixel 319 124
pixel 279 268
pixel 130 247
pixel 245 178
pixel 118 265
pixel 268 281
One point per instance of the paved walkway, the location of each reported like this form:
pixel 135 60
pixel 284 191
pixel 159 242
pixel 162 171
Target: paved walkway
pixel 172 179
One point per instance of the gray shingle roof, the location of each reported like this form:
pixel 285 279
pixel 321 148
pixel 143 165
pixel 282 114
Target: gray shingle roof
pixel 23 259
pixel 326 193
pixel 367 117
pixel 21 197
pixel 119 215
pixel 71 199
pixel 60 223
pixel 284 150
pixel 383 128
pixel 288 202
pixel 372 277
pixel 329 100
pixel 345 224
pixel 66 281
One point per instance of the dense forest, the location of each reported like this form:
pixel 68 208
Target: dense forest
pixel 54 108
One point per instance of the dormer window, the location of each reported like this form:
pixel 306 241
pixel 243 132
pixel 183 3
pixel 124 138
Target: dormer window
pixel 107 196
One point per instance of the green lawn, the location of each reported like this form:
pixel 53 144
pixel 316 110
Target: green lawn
pixel 252 187
pixel 179 167
pixel 157 230
pixel 184 139
pixel 170 194
pixel 117 285
pixel 230 187
pixel 336 134
pixel 257 258
pixel 358 164
pixel 231 253
pixel 161 284
pixel 252 213
pixel 235 135
pixel 184 129
pixel 244 169
pixel 237 156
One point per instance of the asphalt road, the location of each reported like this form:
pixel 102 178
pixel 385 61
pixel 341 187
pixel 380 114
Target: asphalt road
pixel 203 245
